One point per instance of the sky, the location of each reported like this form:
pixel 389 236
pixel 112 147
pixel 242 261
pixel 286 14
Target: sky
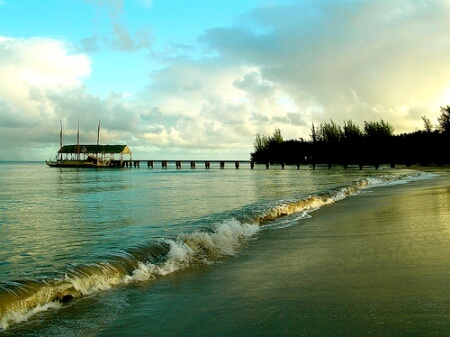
pixel 198 79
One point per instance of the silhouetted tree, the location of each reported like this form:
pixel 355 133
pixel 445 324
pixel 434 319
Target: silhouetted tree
pixel 374 145
pixel 427 124
pixel 378 129
pixel 352 131
pixel 444 120
pixel 314 136
pixel 330 132
pixel 260 142
pixel 267 149
pixel 276 138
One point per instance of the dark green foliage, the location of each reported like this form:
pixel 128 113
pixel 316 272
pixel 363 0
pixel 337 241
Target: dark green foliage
pixel 330 133
pixel 260 143
pixel 444 120
pixel 374 145
pixel 263 143
pixel 378 130
pixel 427 124
pixel 352 132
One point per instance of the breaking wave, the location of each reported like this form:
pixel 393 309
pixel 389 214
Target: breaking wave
pixel 19 300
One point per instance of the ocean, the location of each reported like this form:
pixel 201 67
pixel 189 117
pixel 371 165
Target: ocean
pixel 221 252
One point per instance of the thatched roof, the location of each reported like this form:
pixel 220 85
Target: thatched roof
pixel 122 149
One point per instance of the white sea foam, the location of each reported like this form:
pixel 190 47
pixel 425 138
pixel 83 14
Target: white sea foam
pixel 21 315
pixel 199 247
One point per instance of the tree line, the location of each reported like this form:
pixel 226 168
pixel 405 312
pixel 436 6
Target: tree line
pixel 374 144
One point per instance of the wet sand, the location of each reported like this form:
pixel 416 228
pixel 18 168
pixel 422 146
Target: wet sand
pixel 375 264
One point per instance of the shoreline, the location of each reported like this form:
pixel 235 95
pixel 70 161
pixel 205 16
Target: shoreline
pixel 372 264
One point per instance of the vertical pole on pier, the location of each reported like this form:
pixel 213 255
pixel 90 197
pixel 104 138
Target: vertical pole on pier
pixel 192 164
pixel 267 166
pixel 164 164
pixel 178 164
pixel 222 164
pixel 150 164
pixel 207 165
pixel 236 164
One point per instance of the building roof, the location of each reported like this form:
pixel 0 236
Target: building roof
pixel 122 149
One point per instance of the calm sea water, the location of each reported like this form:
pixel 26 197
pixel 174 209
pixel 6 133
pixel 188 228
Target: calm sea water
pixel 66 234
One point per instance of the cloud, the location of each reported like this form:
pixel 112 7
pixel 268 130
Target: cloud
pixel 287 66
pixel 42 83
pixel 119 37
pixel 31 69
pixel 278 66
pixel 196 104
pixel 393 55
pixel 191 107
pixel 210 104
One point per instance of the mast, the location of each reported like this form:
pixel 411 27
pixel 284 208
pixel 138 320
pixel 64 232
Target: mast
pixel 98 141
pixel 60 140
pixel 78 141
pixel 98 133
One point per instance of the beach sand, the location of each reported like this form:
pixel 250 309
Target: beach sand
pixel 375 264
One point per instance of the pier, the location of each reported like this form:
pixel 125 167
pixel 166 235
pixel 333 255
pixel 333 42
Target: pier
pixel 192 164
pixel 221 164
